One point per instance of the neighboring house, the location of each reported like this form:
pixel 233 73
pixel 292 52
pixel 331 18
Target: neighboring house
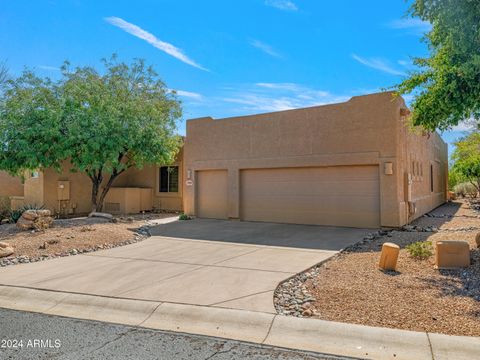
pixel 351 164
pixel 69 193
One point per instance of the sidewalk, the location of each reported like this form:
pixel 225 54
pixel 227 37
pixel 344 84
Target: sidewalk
pixel 256 327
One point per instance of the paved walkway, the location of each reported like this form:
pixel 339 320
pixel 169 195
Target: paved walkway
pixel 226 264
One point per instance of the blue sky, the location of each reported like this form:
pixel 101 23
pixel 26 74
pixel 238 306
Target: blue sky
pixel 225 58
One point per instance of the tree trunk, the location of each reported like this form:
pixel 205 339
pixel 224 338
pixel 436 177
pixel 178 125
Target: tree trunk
pixel 108 185
pixel 95 189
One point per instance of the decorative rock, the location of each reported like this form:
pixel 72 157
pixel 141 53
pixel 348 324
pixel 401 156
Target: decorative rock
pixel 307 312
pixel 101 215
pixel 4 245
pixel 6 251
pixel 44 213
pixel 30 215
pixel 43 222
pixel 23 224
pixel 451 254
pixel 389 256
pixel 5 221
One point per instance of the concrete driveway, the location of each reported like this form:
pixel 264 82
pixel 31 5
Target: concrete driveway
pixel 202 262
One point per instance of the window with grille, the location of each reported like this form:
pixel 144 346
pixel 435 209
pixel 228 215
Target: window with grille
pixel 168 179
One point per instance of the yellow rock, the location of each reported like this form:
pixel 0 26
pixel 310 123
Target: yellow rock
pixel 389 256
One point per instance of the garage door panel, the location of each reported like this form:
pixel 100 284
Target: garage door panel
pixel 211 198
pixel 341 196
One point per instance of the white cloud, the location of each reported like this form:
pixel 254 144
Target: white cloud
pixel 413 26
pixel 267 49
pixel 152 40
pixel 265 96
pixel 48 67
pixel 189 94
pixel 282 4
pixel 466 125
pixel 378 64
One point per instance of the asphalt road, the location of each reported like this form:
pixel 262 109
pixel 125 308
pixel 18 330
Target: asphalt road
pixel 39 336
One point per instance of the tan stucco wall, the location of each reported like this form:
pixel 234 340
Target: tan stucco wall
pixel 33 190
pixel 10 185
pixel 366 130
pixel 419 152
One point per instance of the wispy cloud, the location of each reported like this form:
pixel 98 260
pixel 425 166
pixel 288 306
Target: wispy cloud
pixel 265 96
pixel 48 67
pixel 267 49
pixel 378 64
pixel 282 4
pixel 466 125
pixel 153 40
pixel 413 26
pixel 189 94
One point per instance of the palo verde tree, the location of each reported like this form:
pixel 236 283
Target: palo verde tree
pixel 447 83
pixel 466 158
pixel 102 123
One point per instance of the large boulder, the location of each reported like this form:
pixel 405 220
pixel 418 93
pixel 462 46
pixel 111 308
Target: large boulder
pixel 44 212
pixel 43 222
pixel 23 224
pixel 5 249
pixel 101 215
pixel 30 215
pixel 35 219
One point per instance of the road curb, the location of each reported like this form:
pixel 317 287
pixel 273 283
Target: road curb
pixel 329 337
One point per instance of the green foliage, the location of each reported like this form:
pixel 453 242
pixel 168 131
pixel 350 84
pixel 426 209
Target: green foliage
pixel 454 178
pixel 466 158
pixel 465 189
pixel 16 214
pixel 447 84
pixel 184 217
pixel 102 123
pixel 420 250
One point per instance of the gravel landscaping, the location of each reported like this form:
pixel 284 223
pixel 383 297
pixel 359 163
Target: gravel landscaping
pixel 70 237
pixel 350 288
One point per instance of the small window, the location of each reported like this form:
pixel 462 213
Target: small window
pixel 431 178
pixel 168 179
pixel 35 174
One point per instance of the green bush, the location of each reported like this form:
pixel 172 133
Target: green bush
pixel 16 214
pixel 465 189
pixel 420 250
pixel 184 217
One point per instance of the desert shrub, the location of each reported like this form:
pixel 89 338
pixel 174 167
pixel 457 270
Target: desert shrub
pixel 184 217
pixel 16 214
pixel 420 250
pixel 465 189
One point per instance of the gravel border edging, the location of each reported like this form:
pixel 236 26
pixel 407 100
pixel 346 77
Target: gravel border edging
pixel 140 234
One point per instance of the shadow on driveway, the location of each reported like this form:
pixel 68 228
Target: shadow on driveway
pixel 259 233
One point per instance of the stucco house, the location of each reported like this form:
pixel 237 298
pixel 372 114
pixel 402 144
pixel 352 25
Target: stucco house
pixel 354 164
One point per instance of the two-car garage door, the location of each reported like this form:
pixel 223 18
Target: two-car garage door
pixel 335 195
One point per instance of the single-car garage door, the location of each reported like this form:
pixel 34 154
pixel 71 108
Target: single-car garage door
pixel 211 199
pixel 336 195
